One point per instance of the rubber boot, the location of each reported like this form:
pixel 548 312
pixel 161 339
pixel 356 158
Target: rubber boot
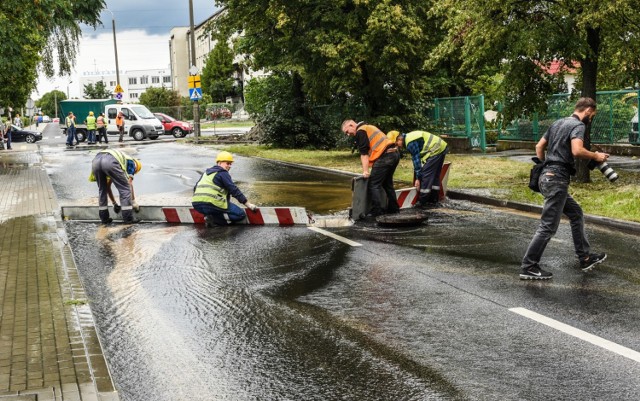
pixel 104 216
pixel 127 217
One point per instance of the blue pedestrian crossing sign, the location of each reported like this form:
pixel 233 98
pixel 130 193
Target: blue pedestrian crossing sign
pixel 195 93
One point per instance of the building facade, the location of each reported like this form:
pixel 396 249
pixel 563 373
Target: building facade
pixel 133 82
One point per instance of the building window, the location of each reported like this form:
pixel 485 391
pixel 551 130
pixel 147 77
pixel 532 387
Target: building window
pixel 134 95
pixel 155 80
pixel 112 83
pixel 166 79
pixel 144 80
pixel 133 81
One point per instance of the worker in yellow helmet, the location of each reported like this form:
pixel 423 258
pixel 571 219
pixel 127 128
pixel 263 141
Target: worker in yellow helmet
pixel 395 137
pixel 212 193
pixel 115 166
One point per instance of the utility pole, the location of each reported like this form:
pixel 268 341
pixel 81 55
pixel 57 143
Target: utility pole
pixel 193 70
pixel 115 45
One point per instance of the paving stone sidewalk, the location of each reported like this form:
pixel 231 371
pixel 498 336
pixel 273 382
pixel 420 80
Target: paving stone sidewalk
pixel 49 349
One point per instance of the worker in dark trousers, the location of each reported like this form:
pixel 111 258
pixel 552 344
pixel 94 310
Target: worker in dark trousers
pixel 427 153
pixel 114 166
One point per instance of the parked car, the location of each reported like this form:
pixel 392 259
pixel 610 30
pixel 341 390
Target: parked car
pixel 19 134
pixel 46 119
pixel 178 129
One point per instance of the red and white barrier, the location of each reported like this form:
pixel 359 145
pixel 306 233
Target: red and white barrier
pixel 283 216
pixel 407 197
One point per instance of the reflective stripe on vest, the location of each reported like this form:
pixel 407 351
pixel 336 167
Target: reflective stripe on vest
pixel 208 192
pixel 378 141
pixel 433 144
pixel 121 157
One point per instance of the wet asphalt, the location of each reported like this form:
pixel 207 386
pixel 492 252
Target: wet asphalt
pixel 266 313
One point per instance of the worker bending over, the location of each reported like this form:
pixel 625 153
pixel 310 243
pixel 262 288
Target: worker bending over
pixel 114 166
pixel 427 153
pixel 212 193
pixel 381 154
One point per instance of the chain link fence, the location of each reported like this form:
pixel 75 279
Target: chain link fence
pixel 616 121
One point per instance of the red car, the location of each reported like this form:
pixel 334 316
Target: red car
pixel 178 129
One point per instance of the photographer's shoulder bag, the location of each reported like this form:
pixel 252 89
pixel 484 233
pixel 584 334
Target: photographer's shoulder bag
pixel 534 175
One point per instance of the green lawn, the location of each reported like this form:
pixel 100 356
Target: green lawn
pixel 499 177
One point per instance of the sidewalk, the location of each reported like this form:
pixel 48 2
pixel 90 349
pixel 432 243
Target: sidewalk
pixel 49 349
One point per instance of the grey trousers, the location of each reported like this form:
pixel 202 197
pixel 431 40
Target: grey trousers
pixel 557 201
pixel 105 165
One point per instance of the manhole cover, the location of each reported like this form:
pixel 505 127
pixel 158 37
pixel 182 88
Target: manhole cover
pixel 403 219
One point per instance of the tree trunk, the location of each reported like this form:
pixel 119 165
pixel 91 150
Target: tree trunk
pixel 589 79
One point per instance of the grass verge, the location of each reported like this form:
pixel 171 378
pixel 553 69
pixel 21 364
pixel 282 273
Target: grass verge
pixel 494 176
pixel 227 124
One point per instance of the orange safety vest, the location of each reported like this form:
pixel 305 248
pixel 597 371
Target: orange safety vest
pixel 378 141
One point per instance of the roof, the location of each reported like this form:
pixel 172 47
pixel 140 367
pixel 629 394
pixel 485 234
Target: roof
pixel 556 66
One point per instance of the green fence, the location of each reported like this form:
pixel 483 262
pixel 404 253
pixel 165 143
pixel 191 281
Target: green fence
pixel 616 121
pixel 461 117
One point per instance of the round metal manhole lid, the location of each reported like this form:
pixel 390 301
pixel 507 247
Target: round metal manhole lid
pixel 403 219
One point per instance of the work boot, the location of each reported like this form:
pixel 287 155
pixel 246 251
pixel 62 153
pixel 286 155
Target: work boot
pixel 104 216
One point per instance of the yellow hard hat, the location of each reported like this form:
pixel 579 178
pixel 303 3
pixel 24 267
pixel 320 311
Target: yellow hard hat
pixel 138 165
pixel 224 157
pixel 393 135
pixel 91 113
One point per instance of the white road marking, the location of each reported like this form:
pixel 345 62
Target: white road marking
pixel 334 236
pixel 583 335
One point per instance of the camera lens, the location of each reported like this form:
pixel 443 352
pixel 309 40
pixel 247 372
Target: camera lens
pixel 608 171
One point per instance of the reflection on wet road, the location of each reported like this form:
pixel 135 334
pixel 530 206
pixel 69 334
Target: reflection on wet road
pixel 248 313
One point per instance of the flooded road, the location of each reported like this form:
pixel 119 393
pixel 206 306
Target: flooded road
pixel 271 313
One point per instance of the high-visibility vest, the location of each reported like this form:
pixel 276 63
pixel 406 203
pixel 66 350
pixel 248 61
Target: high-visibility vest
pixel 433 144
pixel 91 123
pixel 100 122
pixel 70 122
pixel 121 157
pixel 378 141
pixel 208 192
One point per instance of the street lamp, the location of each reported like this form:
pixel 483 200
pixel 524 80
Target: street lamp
pixel 115 46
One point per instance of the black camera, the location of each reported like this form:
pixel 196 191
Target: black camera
pixel 605 169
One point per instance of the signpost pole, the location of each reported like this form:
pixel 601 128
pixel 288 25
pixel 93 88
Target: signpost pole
pixel 196 105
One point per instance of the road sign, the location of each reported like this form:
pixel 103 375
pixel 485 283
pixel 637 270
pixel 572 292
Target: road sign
pixel 30 103
pixel 193 70
pixel 119 95
pixel 195 93
pixel 118 89
pixel 194 81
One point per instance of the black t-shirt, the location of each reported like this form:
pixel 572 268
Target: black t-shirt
pixel 559 137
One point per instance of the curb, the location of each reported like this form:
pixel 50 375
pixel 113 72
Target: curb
pixel 627 226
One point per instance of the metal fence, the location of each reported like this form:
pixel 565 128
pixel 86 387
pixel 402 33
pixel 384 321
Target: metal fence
pixel 616 121
pixel 461 117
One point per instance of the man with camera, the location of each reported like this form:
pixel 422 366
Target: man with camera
pixel 563 142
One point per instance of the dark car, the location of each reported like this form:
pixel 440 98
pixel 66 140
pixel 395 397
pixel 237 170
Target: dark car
pixel 178 129
pixel 20 134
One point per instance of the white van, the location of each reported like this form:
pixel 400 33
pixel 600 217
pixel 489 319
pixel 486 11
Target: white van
pixel 139 122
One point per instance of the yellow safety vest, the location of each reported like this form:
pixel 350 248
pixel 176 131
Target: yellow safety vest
pixel 121 157
pixel 433 144
pixel 208 192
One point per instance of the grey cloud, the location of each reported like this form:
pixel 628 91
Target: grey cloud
pixel 153 16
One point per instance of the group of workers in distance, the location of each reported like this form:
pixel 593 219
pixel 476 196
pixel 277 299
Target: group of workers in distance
pixel 381 153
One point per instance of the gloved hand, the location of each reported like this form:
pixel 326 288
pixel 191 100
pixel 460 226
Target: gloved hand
pixel 116 208
pixel 136 207
pixel 251 206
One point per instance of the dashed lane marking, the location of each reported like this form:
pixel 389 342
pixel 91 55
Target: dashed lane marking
pixel 334 236
pixel 583 335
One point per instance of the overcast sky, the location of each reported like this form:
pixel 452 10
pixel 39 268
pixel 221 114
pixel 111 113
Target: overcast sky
pixel 142 33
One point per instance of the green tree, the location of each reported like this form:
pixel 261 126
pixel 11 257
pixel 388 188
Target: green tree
pixel 160 97
pixel 97 91
pixel 217 74
pixel 365 54
pixel 47 102
pixel 520 37
pixel 35 34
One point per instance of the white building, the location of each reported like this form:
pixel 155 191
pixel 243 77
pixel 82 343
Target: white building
pixel 133 82
pixel 180 52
